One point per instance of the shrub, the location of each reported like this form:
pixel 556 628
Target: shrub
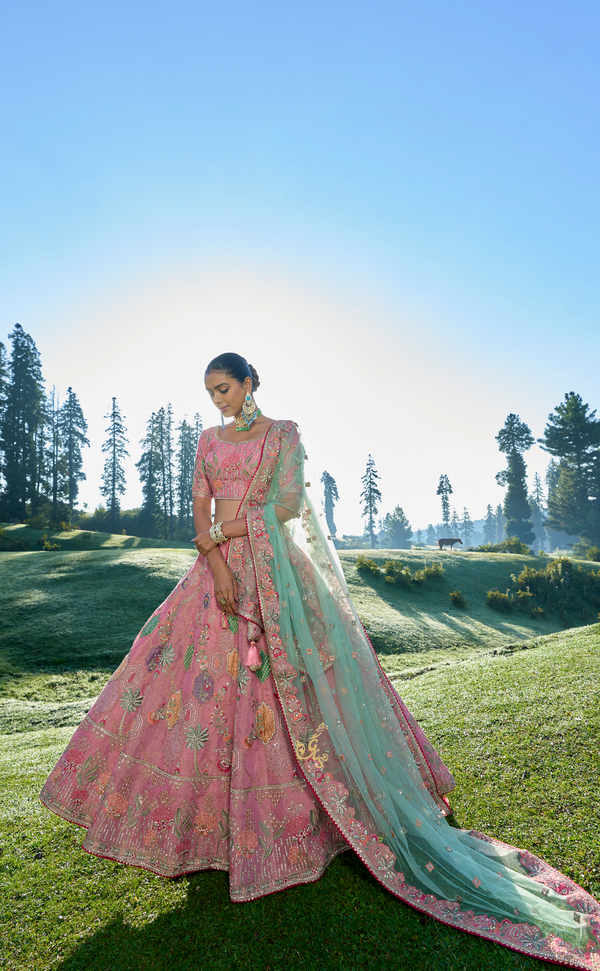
pixel 593 553
pixel 365 565
pixel 395 572
pixel 499 601
pixel 13 545
pixel 511 545
pixel 37 520
pixel 458 599
pixel 45 545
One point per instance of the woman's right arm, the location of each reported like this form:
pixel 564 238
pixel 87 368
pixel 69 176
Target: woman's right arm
pixel 224 580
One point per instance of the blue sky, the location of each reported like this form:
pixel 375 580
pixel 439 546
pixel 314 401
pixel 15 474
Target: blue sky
pixel 390 208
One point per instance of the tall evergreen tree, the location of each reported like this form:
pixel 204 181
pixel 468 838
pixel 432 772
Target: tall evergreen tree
pixel 163 434
pixel 56 464
pixel 3 390
pixel 370 496
pixel 538 512
pixel 513 439
pixel 431 539
pixel 186 456
pixel 489 525
pixel 454 523
pixel 72 428
pixel 22 414
pixel 466 527
pixel 398 530
pixel 572 435
pixel 444 490
pixel 330 494
pixel 500 523
pixel 150 511
pixel 113 476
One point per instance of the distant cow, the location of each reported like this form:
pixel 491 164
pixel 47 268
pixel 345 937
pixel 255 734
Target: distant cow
pixel 449 542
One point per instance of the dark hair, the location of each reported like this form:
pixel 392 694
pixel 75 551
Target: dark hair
pixel 235 366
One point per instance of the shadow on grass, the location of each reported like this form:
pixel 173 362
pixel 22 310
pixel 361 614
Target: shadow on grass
pixel 344 922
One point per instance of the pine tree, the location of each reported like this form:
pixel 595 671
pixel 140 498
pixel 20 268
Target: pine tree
pixel 186 457
pixel 466 527
pixel 489 525
pixel 454 523
pixel 113 476
pixel 330 494
pixel 536 504
pixel 150 511
pixel 398 530
pixel 56 463
pixel 513 439
pixel 163 437
pixel 444 490
pixel 419 538
pixel 572 435
pixel 22 414
pixel 431 536
pixel 3 391
pixel 370 496
pixel 500 523
pixel 72 427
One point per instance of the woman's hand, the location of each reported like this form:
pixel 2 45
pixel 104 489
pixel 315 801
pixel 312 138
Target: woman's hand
pixel 203 542
pixel 225 588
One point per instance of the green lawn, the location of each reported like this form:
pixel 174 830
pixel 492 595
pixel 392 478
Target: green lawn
pixel 520 729
pixel 80 539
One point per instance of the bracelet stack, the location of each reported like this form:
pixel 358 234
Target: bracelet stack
pixel 216 534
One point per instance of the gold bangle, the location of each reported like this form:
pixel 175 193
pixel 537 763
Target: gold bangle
pixel 216 534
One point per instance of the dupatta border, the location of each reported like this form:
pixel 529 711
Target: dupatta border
pixel 376 855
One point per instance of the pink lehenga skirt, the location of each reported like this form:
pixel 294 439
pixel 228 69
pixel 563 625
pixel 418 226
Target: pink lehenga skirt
pixel 184 762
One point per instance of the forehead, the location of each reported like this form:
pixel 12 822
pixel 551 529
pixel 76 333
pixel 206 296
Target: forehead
pixel 215 378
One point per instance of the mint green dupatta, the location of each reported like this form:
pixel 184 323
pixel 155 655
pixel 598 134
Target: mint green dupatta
pixel 356 747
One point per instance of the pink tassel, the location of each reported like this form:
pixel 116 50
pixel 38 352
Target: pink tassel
pixel 253 661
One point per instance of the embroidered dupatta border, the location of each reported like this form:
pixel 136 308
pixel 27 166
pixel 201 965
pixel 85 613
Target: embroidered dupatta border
pixel 378 857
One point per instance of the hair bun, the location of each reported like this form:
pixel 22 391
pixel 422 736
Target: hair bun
pixel 255 378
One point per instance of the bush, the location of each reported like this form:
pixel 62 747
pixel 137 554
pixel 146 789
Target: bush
pixel 45 545
pixel 365 565
pixel 499 601
pixel 458 599
pixel 395 572
pixel 37 521
pixel 593 553
pixel 511 545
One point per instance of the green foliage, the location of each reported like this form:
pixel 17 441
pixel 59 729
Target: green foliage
pixel 45 545
pixel 593 553
pixel 11 545
pixel 499 601
pixel 572 435
pixel 511 545
pixel 444 490
pixel 458 599
pixel 113 476
pixel 371 497
pixel 396 573
pixel 330 497
pixel 398 531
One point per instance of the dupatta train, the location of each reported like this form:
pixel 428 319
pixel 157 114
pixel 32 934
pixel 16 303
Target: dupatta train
pixel 373 771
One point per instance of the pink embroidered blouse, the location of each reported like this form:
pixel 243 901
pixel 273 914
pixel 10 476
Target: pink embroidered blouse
pixel 224 470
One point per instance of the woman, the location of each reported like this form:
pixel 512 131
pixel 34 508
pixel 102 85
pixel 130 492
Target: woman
pixel 251 728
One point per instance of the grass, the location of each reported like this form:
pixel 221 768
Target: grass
pixel 420 628
pixel 519 728
pixel 81 539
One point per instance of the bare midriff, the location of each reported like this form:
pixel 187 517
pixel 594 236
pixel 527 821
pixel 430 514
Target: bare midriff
pixel 226 510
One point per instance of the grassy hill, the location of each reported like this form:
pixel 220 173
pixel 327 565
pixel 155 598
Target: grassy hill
pixel 80 539
pixel 519 726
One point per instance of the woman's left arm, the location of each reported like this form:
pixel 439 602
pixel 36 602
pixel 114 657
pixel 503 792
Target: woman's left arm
pixel 234 528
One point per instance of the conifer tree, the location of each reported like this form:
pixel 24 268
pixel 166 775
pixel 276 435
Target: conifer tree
pixel 370 496
pixel 398 530
pixel 163 436
pixel 536 504
pixel 454 523
pixel 22 414
pixel 186 457
pixel 513 439
pixel 572 435
pixel 431 539
pixel 56 464
pixel 466 527
pixel 330 494
pixel 444 490
pixel 500 521
pixel 489 525
pixel 146 467
pixel 72 428
pixel 113 476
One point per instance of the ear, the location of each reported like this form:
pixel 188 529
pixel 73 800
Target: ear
pixel 248 385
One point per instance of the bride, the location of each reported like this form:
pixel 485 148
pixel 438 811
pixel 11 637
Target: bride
pixel 251 728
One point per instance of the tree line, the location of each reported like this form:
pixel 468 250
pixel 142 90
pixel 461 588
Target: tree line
pixel 41 465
